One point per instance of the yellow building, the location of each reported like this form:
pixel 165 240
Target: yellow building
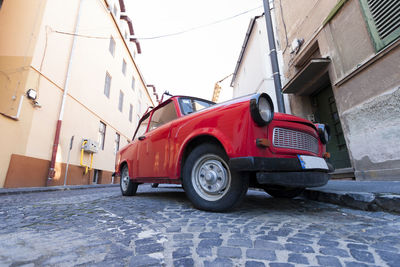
pixel 66 66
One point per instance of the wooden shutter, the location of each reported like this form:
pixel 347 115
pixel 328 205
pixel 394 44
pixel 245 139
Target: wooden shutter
pixel 383 20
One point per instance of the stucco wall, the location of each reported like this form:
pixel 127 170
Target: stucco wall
pixel 365 83
pixel 372 119
pixel 40 57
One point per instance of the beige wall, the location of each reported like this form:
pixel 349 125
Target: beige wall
pixel 15 58
pixel 44 54
pixel 302 18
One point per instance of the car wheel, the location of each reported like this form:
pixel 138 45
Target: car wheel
pixel 209 183
pixel 284 192
pixel 128 187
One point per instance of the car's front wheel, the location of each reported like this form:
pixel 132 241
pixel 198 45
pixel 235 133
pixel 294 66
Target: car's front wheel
pixel 208 181
pixel 128 187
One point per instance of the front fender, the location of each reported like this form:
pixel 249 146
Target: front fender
pixel 222 138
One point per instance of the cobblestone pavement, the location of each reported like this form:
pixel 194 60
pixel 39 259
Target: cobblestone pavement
pixel 99 227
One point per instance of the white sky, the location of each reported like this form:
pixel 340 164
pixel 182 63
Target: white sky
pixel 190 63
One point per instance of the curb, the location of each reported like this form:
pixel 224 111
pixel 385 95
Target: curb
pixel 24 190
pixel 387 202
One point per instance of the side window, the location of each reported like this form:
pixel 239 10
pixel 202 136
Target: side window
pixel 142 127
pixel 163 115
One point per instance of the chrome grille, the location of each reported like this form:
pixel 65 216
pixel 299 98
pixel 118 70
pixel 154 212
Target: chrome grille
pixel 286 138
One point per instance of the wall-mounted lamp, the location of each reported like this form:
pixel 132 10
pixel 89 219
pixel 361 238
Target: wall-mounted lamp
pixel 31 94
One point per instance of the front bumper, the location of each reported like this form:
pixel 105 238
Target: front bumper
pixel 286 172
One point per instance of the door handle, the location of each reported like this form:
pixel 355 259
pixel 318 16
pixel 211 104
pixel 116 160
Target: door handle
pixel 141 138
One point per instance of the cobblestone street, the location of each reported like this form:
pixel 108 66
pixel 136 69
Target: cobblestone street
pixel 99 227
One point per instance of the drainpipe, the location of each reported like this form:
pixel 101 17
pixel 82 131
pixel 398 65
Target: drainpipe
pixel 64 97
pixel 274 58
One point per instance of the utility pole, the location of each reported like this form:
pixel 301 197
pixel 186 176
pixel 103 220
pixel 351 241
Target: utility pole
pixel 274 58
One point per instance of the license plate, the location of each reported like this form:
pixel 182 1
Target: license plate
pixel 309 162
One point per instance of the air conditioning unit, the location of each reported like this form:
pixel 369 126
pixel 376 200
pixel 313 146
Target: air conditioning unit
pixel 90 146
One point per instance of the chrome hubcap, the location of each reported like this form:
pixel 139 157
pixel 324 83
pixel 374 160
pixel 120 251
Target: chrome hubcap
pixel 211 177
pixel 125 179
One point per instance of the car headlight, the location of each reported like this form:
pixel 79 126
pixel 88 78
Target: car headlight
pixel 324 133
pixel 262 109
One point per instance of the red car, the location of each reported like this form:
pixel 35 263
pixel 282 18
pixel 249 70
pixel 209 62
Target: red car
pixel 216 151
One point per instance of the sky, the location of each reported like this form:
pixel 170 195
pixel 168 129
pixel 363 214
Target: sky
pixel 190 63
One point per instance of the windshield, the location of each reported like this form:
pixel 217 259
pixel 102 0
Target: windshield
pixel 190 105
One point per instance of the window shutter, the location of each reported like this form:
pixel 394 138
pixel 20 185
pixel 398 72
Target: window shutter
pixel 383 19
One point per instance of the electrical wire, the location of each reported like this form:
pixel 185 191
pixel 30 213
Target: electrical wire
pixel 199 27
pixel 164 35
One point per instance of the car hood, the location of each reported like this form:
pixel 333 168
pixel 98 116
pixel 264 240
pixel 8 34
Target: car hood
pixel 291 118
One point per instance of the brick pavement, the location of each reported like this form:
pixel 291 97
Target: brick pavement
pixel 159 227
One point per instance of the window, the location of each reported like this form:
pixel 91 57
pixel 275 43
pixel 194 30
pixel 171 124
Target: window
pixel 383 20
pixel 107 85
pixel 141 129
pixel 115 11
pixel 97 176
pixel 121 101
pixel 102 135
pixel 133 83
pixel 116 144
pixel 139 108
pixel 130 112
pixel 163 115
pixel 190 105
pixel 111 47
pixel 124 66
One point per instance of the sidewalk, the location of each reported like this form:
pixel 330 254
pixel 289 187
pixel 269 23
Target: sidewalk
pixel 364 195
pixel 14 191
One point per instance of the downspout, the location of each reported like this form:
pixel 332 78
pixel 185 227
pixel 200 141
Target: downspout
pixel 274 58
pixel 64 97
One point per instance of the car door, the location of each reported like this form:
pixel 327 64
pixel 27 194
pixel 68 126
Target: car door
pixel 133 153
pixel 154 146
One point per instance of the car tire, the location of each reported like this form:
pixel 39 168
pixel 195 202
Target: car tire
pixel 128 187
pixel 284 192
pixel 209 183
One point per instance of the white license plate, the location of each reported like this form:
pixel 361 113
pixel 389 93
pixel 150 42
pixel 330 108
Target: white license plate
pixel 309 162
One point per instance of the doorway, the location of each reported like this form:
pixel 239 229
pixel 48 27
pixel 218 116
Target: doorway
pixel 326 112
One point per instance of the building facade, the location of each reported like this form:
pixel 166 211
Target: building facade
pixel 67 69
pixel 342 67
pixel 253 71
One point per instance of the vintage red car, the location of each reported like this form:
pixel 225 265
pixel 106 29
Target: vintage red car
pixel 216 151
